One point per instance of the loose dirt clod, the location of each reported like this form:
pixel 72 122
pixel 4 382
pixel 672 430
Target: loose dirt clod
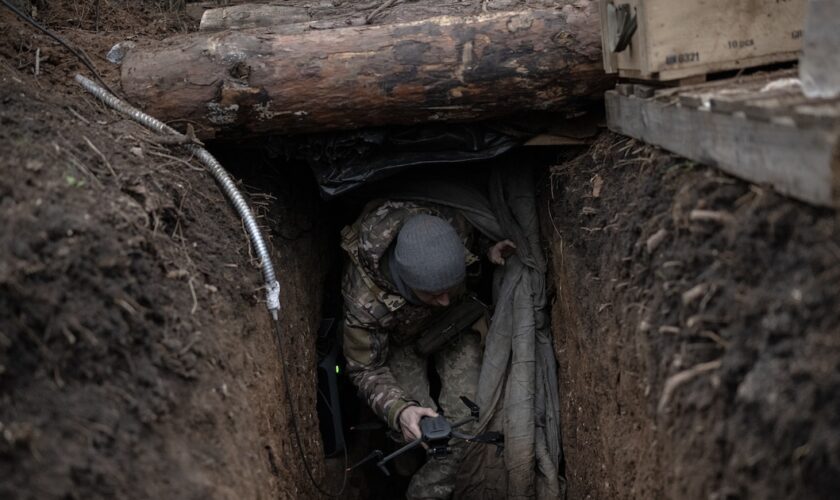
pixel 709 216
pixel 676 380
pixel 655 240
pixel 694 293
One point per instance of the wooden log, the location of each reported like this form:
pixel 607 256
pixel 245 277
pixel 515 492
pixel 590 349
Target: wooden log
pixel 238 83
pixel 251 16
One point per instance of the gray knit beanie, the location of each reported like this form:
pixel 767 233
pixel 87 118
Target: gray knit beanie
pixel 429 255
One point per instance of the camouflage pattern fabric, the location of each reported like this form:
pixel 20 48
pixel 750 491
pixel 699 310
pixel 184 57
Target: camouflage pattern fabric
pixel 375 316
pixel 458 367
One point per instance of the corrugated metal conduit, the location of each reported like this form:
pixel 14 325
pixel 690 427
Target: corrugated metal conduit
pixel 219 173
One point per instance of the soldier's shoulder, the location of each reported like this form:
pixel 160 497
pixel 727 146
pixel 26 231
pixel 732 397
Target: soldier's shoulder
pixel 382 222
pixel 364 307
pixel 387 218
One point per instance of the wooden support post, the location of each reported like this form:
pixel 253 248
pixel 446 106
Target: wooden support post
pixel 819 66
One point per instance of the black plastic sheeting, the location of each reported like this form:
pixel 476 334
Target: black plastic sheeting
pixel 345 161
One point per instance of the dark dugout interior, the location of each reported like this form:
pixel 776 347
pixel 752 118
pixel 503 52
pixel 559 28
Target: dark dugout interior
pixel 332 176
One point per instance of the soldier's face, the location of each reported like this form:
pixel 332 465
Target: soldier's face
pixel 438 299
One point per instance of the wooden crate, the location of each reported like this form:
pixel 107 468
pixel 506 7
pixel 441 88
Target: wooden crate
pixel 677 39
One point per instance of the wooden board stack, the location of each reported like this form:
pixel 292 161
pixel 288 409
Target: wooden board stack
pixel 761 128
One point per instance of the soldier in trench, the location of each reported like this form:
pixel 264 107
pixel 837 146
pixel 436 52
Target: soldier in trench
pixel 405 294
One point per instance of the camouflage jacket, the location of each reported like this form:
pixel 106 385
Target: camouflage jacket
pixel 374 313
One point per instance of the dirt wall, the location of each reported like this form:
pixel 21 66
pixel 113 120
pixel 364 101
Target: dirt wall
pixel 697 327
pixel 136 358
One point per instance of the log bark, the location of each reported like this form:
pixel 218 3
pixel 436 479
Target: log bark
pixel 253 82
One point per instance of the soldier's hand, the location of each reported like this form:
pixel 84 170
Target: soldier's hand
pixel 501 251
pixel 410 421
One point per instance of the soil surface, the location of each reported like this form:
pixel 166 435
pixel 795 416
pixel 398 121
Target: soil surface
pixel 697 321
pixel 136 355
pixel 696 316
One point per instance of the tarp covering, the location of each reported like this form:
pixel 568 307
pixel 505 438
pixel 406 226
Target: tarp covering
pixel 344 161
pixel 517 390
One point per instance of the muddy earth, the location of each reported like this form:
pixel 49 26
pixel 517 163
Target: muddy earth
pixel 697 328
pixel 136 358
pixel 695 316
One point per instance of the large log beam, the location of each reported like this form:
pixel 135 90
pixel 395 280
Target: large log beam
pixel 252 82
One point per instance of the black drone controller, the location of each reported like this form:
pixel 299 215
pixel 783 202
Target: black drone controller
pixel 435 434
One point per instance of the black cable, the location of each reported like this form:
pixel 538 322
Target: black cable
pixel 80 56
pixel 296 431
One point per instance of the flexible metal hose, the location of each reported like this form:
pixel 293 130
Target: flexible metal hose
pixel 219 173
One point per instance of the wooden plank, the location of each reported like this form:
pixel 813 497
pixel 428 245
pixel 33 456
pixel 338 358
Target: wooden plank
pixel 719 97
pixel 246 16
pixel 803 163
pixel 724 65
pixel 555 140
pixel 677 39
pixel 734 101
pixel 610 65
pixel 819 66
pixel 756 80
pixel 818 114
pixel 773 107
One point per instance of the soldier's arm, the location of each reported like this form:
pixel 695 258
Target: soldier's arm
pixel 366 350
